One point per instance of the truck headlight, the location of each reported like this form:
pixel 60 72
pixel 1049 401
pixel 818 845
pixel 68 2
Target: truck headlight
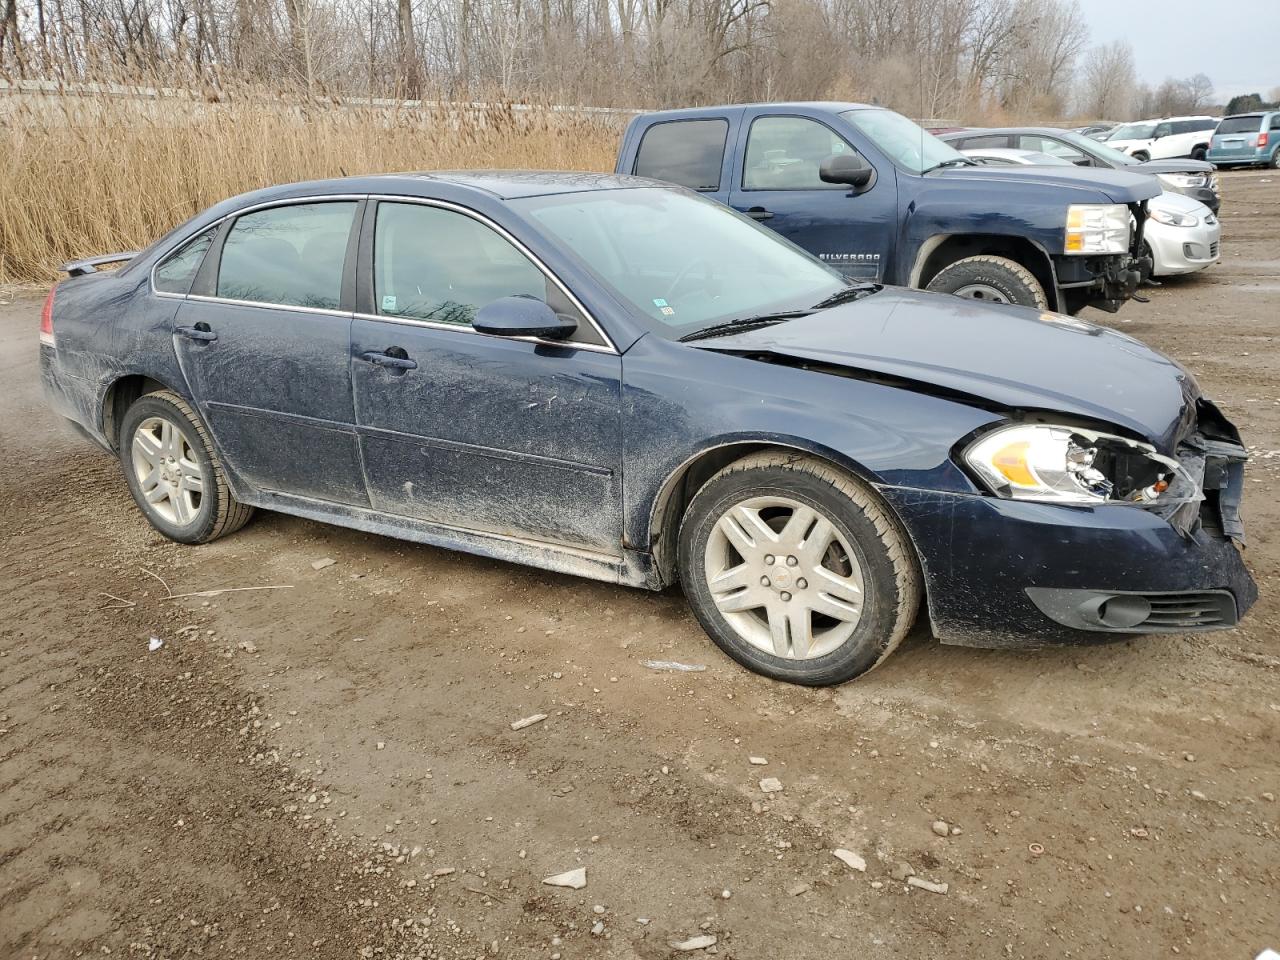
pixel 1172 219
pixel 1183 181
pixel 1060 464
pixel 1097 228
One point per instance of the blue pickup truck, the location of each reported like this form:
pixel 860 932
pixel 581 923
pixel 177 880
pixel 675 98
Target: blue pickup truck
pixel 877 197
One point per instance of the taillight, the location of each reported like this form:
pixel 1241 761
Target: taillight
pixel 1262 140
pixel 46 321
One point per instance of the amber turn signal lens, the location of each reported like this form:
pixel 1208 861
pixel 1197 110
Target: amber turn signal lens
pixel 1011 461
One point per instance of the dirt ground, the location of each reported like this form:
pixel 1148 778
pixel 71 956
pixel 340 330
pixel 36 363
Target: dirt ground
pixel 328 770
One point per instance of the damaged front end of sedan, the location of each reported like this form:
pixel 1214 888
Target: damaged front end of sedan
pixel 1059 463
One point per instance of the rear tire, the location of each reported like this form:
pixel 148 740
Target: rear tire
pixel 1275 159
pixel 1199 153
pixel 797 571
pixel 1142 156
pixel 993 280
pixel 174 472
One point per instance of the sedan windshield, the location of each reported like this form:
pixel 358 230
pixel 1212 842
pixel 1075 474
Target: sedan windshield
pixel 1094 148
pixel 1133 131
pixel 905 143
pixel 680 261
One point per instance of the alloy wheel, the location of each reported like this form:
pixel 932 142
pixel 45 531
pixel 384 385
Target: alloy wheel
pixel 170 477
pixel 784 577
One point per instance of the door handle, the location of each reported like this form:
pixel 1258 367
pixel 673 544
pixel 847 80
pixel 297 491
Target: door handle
pixel 759 213
pixel 200 332
pixel 388 360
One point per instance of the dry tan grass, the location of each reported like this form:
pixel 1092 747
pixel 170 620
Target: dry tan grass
pixel 81 176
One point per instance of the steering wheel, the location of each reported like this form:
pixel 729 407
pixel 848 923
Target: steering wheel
pixel 687 272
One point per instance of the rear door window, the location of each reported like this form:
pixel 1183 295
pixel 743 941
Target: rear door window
pixel 292 255
pixel 176 273
pixel 687 152
pixel 978 143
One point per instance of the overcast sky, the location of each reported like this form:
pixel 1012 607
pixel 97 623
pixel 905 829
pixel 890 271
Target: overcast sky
pixel 1235 42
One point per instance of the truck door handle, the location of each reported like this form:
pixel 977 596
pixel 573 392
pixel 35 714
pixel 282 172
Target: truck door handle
pixel 200 332
pixel 389 359
pixel 759 213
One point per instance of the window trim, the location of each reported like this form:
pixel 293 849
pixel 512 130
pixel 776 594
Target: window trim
pixel 220 237
pixel 607 347
pixel 724 151
pixel 834 187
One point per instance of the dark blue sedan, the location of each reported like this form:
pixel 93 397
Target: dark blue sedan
pixel 612 378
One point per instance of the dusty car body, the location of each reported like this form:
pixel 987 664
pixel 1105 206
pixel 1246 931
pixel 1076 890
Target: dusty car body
pixel 583 427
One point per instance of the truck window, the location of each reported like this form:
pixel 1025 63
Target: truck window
pixel 687 152
pixel 785 153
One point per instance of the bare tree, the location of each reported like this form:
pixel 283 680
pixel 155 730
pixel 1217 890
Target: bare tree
pixel 1108 80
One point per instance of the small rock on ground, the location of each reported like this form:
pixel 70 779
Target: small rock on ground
pixel 771 785
pixel 694 943
pixel 575 879
pixel 850 858
pixel 528 721
pixel 321 564
pixel 927 885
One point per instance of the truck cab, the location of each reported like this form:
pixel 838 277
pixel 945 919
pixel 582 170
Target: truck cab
pixel 880 199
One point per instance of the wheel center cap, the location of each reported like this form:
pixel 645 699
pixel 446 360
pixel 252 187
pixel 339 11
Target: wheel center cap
pixel 781 578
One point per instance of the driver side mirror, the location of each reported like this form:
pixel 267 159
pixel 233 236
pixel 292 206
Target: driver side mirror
pixel 522 316
pixel 848 168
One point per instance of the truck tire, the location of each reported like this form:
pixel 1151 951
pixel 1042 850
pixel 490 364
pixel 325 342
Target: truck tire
pixel 992 280
pixel 174 473
pixel 796 570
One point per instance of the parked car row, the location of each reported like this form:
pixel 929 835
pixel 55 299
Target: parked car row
pixel 1243 139
pixel 624 379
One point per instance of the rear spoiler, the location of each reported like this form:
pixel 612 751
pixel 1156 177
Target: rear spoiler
pixel 78 268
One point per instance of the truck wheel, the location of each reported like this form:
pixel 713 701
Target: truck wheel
pixel 174 473
pixel 797 571
pixel 991 279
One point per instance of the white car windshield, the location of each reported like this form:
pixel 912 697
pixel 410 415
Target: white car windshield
pixel 1133 131
pixel 680 261
pixel 905 143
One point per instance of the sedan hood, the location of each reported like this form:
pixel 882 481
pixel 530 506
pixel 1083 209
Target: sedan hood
pixel 999 356
pixel 1118 186
pixel 1172 166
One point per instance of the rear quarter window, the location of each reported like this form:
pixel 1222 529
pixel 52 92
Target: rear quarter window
pixel 176 272
pixel 687 152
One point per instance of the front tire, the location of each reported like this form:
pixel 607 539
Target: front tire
pixel 797 571
pixel 174 472
pixel 992 280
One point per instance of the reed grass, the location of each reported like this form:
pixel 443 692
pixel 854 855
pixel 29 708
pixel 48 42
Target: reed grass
pixel 83 175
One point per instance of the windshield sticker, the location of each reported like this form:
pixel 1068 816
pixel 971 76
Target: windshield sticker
pixel 663 308
pixel 389 303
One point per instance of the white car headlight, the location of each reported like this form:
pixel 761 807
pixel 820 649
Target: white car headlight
pixel 1097 228
pixel 1172 219
pixel 1183 181
pixel 1060 464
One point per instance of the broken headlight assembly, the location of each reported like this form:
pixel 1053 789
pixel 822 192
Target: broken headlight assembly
pixel 1071 465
